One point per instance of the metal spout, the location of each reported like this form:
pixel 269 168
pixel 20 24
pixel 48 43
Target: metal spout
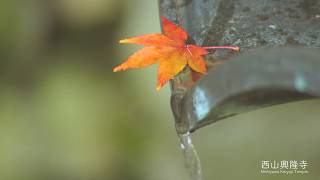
pixel 256 78
pixel 250 81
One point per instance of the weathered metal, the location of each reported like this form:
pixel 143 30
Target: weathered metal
pixel 279 60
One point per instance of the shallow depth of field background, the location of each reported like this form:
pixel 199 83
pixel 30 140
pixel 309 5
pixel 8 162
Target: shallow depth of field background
pixel 65 115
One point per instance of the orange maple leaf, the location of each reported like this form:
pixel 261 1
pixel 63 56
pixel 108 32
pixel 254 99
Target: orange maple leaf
pixel 169 50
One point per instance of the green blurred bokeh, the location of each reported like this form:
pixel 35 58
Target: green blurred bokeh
pixel 65 115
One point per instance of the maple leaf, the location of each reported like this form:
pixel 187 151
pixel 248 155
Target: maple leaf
pixel 169 50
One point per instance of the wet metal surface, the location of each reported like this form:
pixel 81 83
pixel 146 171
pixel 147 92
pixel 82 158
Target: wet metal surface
pixel 246 23
pixel 252 80
pixel 251 25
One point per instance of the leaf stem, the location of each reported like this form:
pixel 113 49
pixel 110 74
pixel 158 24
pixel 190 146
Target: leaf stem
pixel 235 48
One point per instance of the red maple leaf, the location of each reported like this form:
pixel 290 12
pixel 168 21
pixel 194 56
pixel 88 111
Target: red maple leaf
pixel 170 51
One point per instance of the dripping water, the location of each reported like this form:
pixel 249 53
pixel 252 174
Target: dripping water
pixel 192 161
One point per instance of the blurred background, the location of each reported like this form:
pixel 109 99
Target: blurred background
pixel 65 115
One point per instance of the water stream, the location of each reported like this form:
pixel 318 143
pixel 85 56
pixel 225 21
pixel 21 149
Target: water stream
pixel 192 161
